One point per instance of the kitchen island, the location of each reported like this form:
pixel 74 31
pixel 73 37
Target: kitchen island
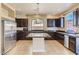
pixel 38 42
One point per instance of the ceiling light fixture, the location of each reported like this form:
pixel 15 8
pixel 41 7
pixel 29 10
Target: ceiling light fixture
pixel 37 10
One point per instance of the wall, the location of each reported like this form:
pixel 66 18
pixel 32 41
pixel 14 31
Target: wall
pixel 30 18
pixel 45 22
pixel 38 26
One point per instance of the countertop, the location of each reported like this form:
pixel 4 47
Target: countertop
pixel 70 34
pixel 51 31
pixel 40 35
pixel 41 31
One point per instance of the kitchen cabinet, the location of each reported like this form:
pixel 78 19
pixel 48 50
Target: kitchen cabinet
pixel 58 22
pixel 21 35
pixel 50 22
pixel 51 33
pixel 76 17
pixel 22 22
pixel 59 37
pixel 72 44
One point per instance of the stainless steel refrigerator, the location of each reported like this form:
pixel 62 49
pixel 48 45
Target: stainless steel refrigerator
pixel 9 35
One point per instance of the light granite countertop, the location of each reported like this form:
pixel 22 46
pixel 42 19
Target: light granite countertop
pixel 38 35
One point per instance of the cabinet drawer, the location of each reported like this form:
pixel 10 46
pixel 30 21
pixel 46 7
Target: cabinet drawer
pixel 72 46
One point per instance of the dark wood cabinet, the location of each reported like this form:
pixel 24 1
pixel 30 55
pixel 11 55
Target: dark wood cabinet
pixel 72 44
pixel 58 22
pixel 22 22
pixel 59 37
pixel 76 17
pixel 21 35
pixel 51 33
pixel 50 22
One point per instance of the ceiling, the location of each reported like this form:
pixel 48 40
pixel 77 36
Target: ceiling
pixel 44 8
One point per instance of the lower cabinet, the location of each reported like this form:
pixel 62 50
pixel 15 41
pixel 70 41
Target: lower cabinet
pixel 21 35
pixel 72 44
pixel 59 37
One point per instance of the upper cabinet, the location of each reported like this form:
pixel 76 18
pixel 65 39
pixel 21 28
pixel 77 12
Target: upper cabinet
pixel 50 22
pixel 6 11
pixel 22 22
pixel 76 17
pixel 59 22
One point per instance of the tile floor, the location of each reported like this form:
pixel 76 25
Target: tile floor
pixel 53 47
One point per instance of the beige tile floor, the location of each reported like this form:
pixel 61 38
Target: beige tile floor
pixel 24 47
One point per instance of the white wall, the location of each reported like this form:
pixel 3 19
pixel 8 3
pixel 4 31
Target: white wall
pixel 30 27
pixel 35 27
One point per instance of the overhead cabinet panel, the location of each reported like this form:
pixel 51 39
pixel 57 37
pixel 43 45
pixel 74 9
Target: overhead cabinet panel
pixel 22 22
pixel 50 22
pixel 76 13
pixel 58 22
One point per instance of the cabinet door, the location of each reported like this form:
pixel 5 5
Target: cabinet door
pixel 25 22
pixel 18 22
pixel 77 17
pixel 22 22
pixel 50 23
pixel 72 44
pixel 58 22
